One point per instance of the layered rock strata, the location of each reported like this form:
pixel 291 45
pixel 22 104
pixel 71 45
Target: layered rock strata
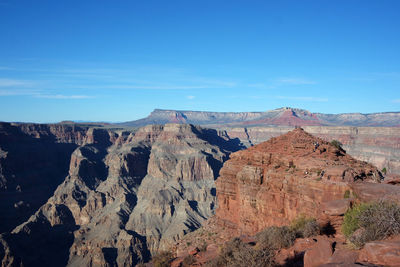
pixel 379 146
pixel 126 195
pixel 276 181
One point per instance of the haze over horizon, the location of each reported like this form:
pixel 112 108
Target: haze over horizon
pixel 118 61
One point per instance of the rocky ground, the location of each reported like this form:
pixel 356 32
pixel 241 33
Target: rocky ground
pixel 293 175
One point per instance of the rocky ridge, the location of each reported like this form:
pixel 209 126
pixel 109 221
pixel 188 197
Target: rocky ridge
pixel 280 117
pixel 376 145
pixel 276 181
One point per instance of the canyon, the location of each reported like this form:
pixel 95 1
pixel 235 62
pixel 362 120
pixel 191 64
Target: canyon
pixel 89 195
pixel 82 196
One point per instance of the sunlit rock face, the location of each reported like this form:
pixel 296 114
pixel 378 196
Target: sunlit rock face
pixel 276 181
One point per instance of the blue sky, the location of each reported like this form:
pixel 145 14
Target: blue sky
pixel 119 60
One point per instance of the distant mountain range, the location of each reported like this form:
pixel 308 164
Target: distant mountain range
pixel 278 117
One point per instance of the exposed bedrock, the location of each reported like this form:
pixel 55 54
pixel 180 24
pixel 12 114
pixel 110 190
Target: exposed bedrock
pixel 295 174
pixel 379 146
pixel 125 196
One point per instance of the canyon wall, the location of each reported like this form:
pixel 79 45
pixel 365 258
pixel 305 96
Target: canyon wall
pixel 276 117
pixel 124 196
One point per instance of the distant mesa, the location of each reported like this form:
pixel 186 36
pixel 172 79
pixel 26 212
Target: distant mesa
pixel 285 116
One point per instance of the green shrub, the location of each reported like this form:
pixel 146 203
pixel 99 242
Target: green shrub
pixel 305 227
pixel 384 171
pixel 311 228
pixel 373 221
pixel 276 237
pixel 350 221
pixel 337 144
pixel 237 254
pixel 162 259
pixel 346 194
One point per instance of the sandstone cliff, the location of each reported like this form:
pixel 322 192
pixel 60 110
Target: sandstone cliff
pixel 376 145
pixel 276 181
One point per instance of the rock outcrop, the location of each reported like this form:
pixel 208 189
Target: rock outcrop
pixel 276 181
pixel 126 195
pixel 376 145
pixel 291 176
pixel 382 253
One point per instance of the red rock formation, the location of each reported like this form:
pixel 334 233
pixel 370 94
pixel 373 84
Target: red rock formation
pixel 376 145
pixel 276 181
pixel 382 253
pixel 289 117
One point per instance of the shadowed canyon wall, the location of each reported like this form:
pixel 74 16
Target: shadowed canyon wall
pixel 103 197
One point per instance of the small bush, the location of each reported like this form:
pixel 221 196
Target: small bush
pixel 350 220
pixel 384 171
pixel 311 228
pixel 346 194
pixel 369 222
pixel 276 237
pixel 203 246
pixel 237 254
pixel 188 260
pixel 337 144
pixel 162 259
pixel 305 227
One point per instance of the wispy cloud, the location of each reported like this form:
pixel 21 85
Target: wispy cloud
pixel 18 92
pixel 13 83
pixel 58 96
pixel 149 87
pixel 190 97
pixel 396 101
pixel 256 85
pixel 134 78
pixel 304 98
pixel 295 81
pixel 40 94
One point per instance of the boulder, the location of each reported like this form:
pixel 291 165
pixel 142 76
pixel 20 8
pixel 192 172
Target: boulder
pixel 319 253
pixel 382 253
